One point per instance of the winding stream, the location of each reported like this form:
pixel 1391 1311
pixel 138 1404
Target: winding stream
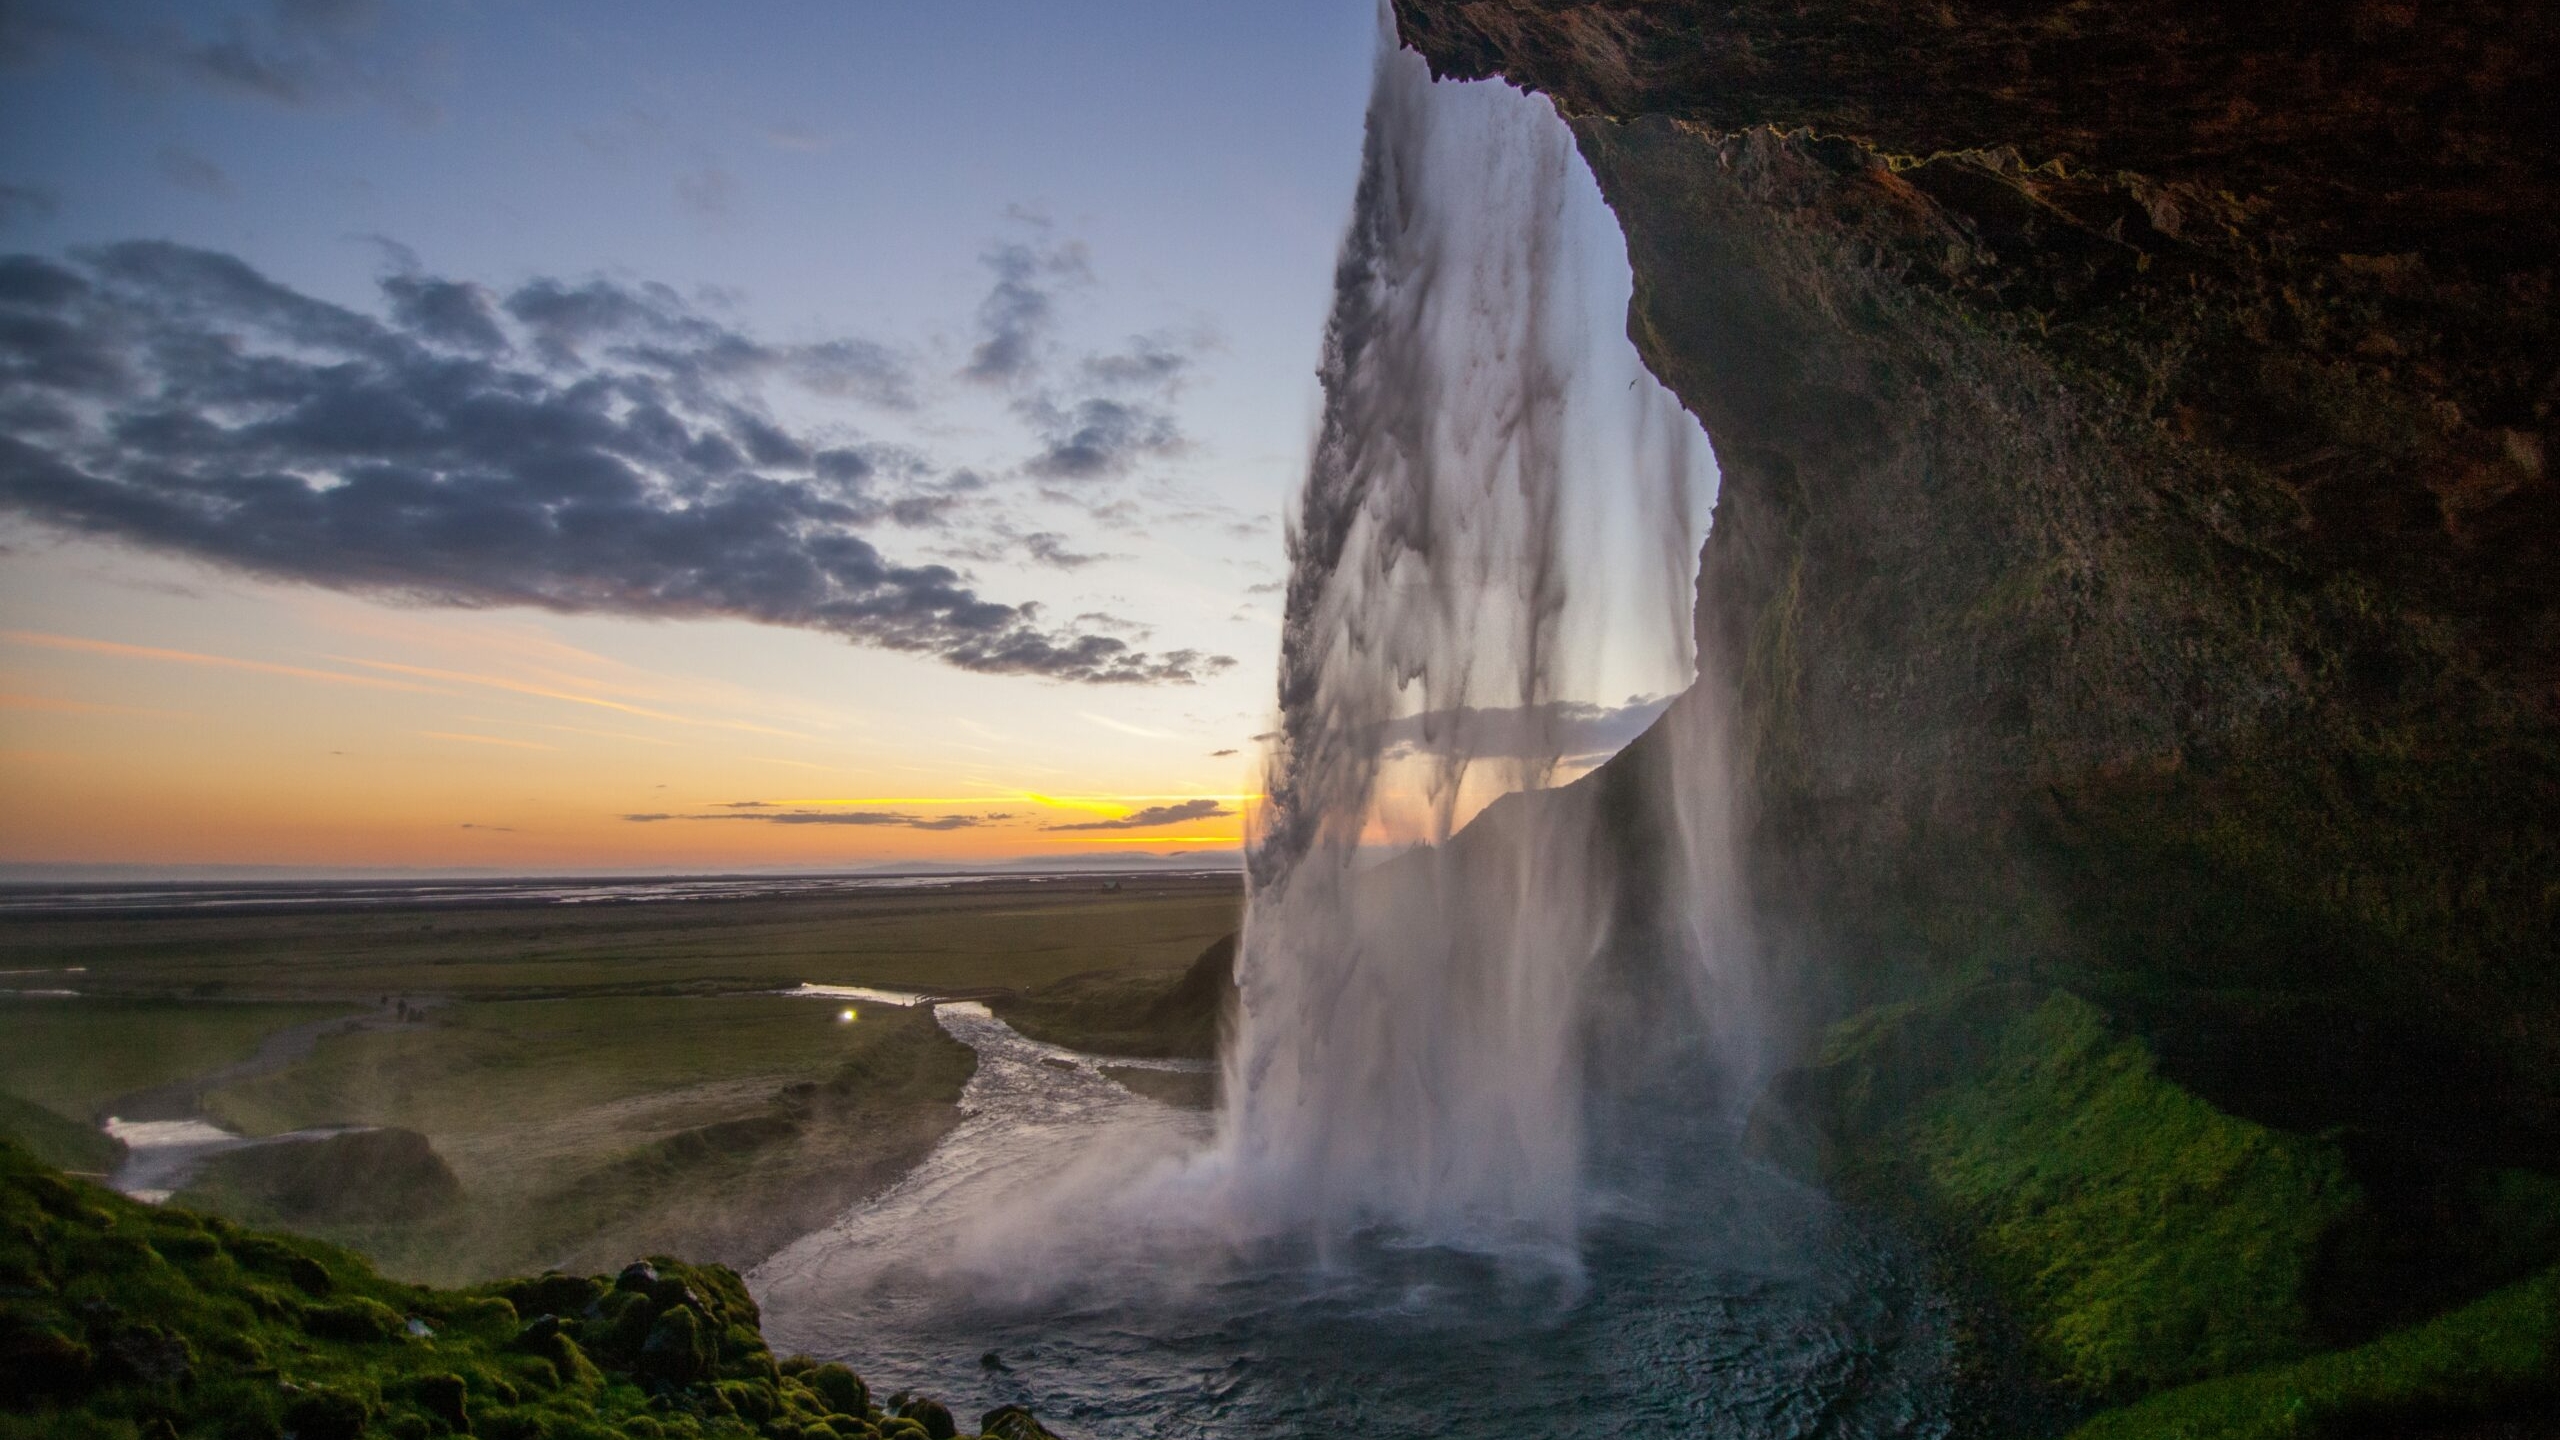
pixel 1061 1249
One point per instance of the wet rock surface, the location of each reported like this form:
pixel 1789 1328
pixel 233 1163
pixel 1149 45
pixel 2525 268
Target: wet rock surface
pixel 2136 534
pixel 2137 568
pixel 2136 552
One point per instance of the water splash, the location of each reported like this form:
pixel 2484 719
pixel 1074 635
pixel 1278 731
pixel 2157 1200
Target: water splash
pixel 1437 1054
pixel 1498 516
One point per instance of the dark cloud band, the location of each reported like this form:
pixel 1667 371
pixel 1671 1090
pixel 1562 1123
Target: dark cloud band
pixel 587 448
pixel 834 817
pixel 1155 815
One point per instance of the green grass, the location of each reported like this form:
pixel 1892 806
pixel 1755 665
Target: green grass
pixel 120 1322
pixel 736 1190
pixel 74 1056
pixel 601 1079
pixel 2150 1237
pixel 2498 1353
pixel 2138 1242
pixel 484 1079
pixel 550 1112
pixel 1134 1012
pixel 363 1177
pixel 63 1144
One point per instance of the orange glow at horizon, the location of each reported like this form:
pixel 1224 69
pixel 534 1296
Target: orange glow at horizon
pixel 1157 840
pixel 354 736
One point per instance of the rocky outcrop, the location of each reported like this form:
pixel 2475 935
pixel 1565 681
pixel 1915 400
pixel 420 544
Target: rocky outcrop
pixel 2137 568
pixel 2136 557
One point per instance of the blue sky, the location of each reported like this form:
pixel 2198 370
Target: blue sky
pixel 1133 206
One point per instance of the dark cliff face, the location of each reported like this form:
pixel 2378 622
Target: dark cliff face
pixel 2136 559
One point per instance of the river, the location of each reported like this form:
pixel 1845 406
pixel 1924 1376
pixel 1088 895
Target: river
pixel 1063 1249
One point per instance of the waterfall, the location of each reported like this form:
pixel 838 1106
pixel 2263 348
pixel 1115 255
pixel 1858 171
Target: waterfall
pixel 1499 519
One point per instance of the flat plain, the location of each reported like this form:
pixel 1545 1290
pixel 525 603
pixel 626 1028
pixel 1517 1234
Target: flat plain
pixel 568 1084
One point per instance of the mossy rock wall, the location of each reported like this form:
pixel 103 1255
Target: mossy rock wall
pixel 2127 1241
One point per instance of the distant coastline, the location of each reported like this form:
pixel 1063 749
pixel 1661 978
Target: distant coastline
pixel 26 891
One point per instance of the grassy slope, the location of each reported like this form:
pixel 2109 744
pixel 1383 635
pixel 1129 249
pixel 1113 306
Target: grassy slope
pixel 74 1056
pixel 64 1144
pixel 2139 1239
pixel 119 1321
pixel 478 1074
pixel 1154 1011
pixel 592 1128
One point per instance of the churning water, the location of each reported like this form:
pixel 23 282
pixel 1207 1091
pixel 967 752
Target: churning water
pixel 1475 1172
pixel 1068 1227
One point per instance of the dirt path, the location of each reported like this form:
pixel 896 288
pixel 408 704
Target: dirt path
pixel 184 1099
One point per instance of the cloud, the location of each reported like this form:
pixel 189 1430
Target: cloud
pixel 188 170
pixel 1000 540
pixel 1050 548
pixel 1558 727
pixel 1096 437
pixel 299 54
pixel 834 817
pixel 455 314
pixel 27 202
pixel 1021 308
pixel 1156 364
pixel 792 135
pixel 1220 754
pixel 81 645
pixel 1100 414
pixel 471 739
pixel 707 190
pixel 1155 815
pixel 1125 728
pixel 1105 621
pixel 590 447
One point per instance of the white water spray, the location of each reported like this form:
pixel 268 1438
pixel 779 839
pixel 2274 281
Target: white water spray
pixel 1498 515
pixel 1479 1053
pixel 1499 525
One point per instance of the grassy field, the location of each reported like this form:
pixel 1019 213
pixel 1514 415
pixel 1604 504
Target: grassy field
pixel 583 1132
pixel 600 1080
pixel 488 1078
pixel 614 1125
pixel 73 1057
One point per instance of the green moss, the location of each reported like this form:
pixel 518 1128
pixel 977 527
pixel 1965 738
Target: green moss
pixel 121 1320
pixel 2137 1236
pixel 2499 1353
pixel 2151 1237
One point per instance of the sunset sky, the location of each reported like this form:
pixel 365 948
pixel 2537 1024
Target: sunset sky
pixel 605 436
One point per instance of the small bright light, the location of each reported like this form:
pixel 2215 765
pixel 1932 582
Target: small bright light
pixel 844 1017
